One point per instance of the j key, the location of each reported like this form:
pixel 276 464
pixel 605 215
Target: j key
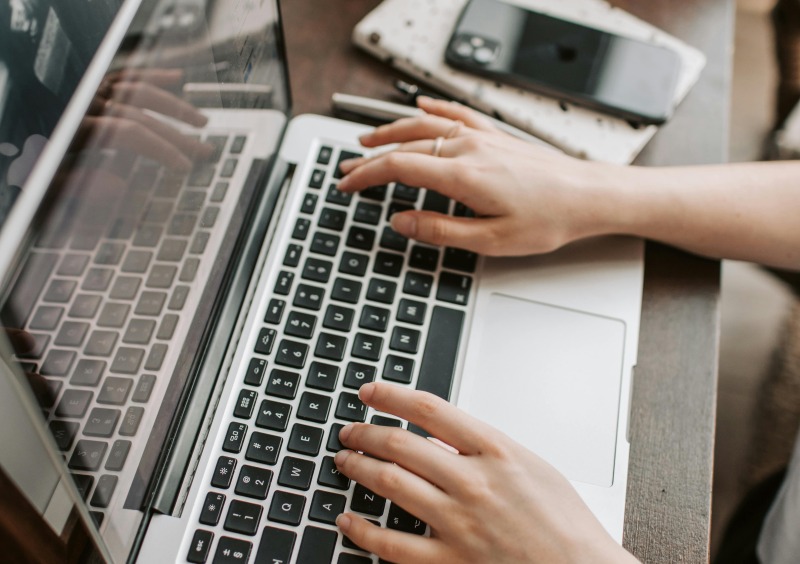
pixel 325 244
pixel 381 291
pixel 253 482
pixel 273 415
pixel 292 256
pixel 358 374
pixel 407 193
pixel 390 264
pixel 233 551
pixel 334 445
pixel 314 407
pixel 377 193
pixel 317 270
pixel 360 238
pixel 255 372
pixel 296 473
pixel 418 284
pixel 411 311
pixel 401 520
pixel 200 546
pixel 424 258
pixel 322 376
pixel 366 501
pixel 317 177
pixel 459 259
pixel 88 455
pixel 330 346
pixel 317 546
pixel 118 455
pixel 283 384
pixel 353 263
pixel 265 341
pixel 405 340
pixel 275 311
pixel 301 229
pixel 330 218
pixel 245 404
pixel 292 354
pixel 101 422
pixel 223 472
pixel 74 403
pixel 454 288
pixel 263 448
pixel 234 438
pixel 324 156
pixel 212 508
pixel 286 508
pixel 398 369
pixel 309 203
pixel 397 207
pixel 330 476
pixel 326 506
pixel 350 408
pixel 64 433
pixel 276 544
pixel 436 202
pixel 284 283
pixel 367 213
pixel 144 387
pixel 300 325
pixel 305 439
pixel 346 290
pixel 242 518
pixel 367 346
pixel 309 297
pixel 374 318
pixel 338 318
pixel 104 491
pixel 391 239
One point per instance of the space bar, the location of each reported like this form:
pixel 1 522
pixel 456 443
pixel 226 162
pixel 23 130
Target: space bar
pixel 437 369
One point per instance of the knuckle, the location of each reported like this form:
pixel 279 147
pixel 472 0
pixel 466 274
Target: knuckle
pixel 396 442
pixel 436 230
pixel 387 548
pixel 387 479
pixel 427 407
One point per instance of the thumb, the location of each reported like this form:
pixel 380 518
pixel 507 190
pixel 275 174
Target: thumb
pixel 471 234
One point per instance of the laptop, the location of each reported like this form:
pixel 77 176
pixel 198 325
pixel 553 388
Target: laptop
pixel 195 325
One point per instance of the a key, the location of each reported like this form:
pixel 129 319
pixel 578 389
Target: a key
pixel 418 284
pixel 118 455
pixel 382 291
pixel 330 346
pixel 309 297
pixel 47 318
pixel 405 340
pixel 112 315
pixel 74 403
pixel 274 311
pixel 459 259
pixel 391 239
pixel 150 303
pixel 57 362
pixel 245 404
pixel 131 421
pixel 326 506
pixel 317 270
pixel 64 433
pixel 144 387
pixel 390 264
pixel 406 193
pixel 454 288
pixel 361 238
pixel 346 290
pixel 367 213
pixel 334 196
pixel 325 243
pixel 401 520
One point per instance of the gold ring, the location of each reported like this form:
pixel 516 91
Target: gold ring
pixel 454 129
pixel 437 146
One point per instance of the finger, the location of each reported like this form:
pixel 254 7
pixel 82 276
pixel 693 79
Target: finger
pixel 389 545
pixel 410 129
pixel 186 145
pixel 455 111
pixel 21 341
pixel 409 491
pixel 443 420
pixel 412 452
pixel 471 234
pixel 422 147
pixel 144 95
pixel 158 77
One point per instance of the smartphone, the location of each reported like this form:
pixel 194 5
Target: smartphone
pixel 631 79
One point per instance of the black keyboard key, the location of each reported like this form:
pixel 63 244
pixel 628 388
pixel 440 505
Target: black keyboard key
pixel 377 193
pixel 309 297
pixel 317 546
pixel 234 551
pixel 317 178
pixel 333 219
pixel 200 546
pixel 127 360
pixel 309 203
pixel 275 311
pixel 58 362
pixel 350 408
pixel 374 318
pixel 454 288
pixel 60 291
pixel 85 306
pixel 391 239
pixel 411 311
pixel 223 472
pixel 242 518
pixel 405 340
pixel 317 270
pixel 125 288
pixel 283 384
pixel 150 303
pixel 118 455
pixel 40 342
pixel 401 520
pixel 398 369
pixel 334 444
pixel 74 403
pixel 112 315
pixel 397 207
pixel 301 229
pixel 314 407
pixel 344 156
pixel 418 284
pixel 353 263
pixel 334 196
pixel 292 256
pixel 367 213
pixel 331 347
pixel 330 476
pixel 459 259
pixel 323 158
pixel 167 328
pixel 88 455
pixel 273 415
pixel 172 250
pixel 338 318
pixel 460 210
pixel 347 558
pixel 382 291
pixel 238 144
pixel 264 448
pixel 47 318
pixel 386 421
pixel 104 491
pixel 84 484
pixel 201 176
pixel 161 276
pixel 325 243
pixel 234 438
pixel 101 422
pixel 212 508
pixel 436 202
pixel 255 372
pixel 361 238
pixel 326 506
pixel 346 290
pixel 228 168
pixel 64 433
pixel 322 376
pixel 406 193
pixel 253 482
pixel 140 332
pixel 286 508
pixel 390 264
pixel 296 473
pixel 265 341
pixel 138 261
pixel 144 387
pixel 72 265
pixel 276 545
pixel 101 343
pixel 305 439
pixel 245 404
pixel 292 354
pixel 189 270
pixel 358 374
pixel 284 283
pixel 148 235
pixel 366 501
pixel 367 346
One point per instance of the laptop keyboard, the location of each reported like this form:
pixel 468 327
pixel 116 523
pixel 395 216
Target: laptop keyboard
pixel 352 302
pixel 103 297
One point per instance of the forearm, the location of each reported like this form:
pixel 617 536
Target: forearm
pixel 742 211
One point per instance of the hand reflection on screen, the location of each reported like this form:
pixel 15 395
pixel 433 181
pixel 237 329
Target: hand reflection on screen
pixel 22 343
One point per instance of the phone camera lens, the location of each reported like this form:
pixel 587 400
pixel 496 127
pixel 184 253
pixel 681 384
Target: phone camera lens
pixel 463 49
pixel 483 55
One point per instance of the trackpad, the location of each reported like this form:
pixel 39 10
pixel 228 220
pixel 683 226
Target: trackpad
pixel 550 378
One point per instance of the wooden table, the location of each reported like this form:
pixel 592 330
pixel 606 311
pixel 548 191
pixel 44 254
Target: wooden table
pixel 668 511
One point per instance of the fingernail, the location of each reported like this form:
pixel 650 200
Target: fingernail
pixel 365 137
pixel 343 521
pixel 405 224
pixel 366 392
pixel 345 432
pixel 348 164
pixel 341 456
pixel 344 184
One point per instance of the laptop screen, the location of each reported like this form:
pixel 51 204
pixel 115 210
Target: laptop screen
pixel 126 252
